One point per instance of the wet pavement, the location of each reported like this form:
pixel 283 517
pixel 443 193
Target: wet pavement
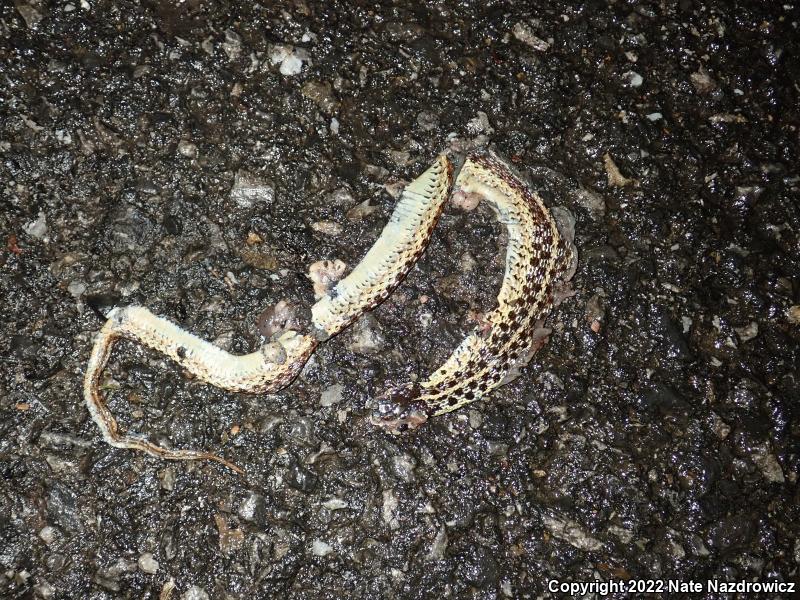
pixel 195 159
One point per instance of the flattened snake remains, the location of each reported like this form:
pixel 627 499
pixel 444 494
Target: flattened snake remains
pixel 540 257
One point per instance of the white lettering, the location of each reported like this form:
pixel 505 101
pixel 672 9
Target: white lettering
pixel 584 588
pixel 684 587
pixel 747 587
pixel 579 589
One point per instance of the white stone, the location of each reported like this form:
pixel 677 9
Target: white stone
pixel 632 78
pixel 195 593
pixel 291 65
pixel 148 564
pixel 320 548
pixel 331 395
pixel 38 228
pixel 335 504
pixel 47 534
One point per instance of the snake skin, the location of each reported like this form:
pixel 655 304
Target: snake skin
pixel 276 364
pixel 537 259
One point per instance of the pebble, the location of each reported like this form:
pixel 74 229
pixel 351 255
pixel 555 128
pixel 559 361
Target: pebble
pixel 389 506
pixel 427 121
pixel 615 177
pixel 321 94
pixel 44 590
pixel 109 577
pixel 331 395
pixel 720 427
pixel 702 81
pixel 76 288
pixel 248 190
pixel 167 478
pixel 291 59
pixel 327 227
pixel 148 564
pixel 301 430
pixel 64 136
pixel 400 157
pixel 479 124
pixel 403 466
pixel 394 188
pixel 302 479
pixel 232 46
pixel 30 15
pixel 439 546
pixel 748 332
pixel 291 65
pixel 335 504
pixel 47 534
pixel 624 535
pixel 62 507
pixel 253 509
pixel 340 197
pixel 276 318
pixel 595 311
pixel 632 78
pixel 37 229
pixel 425 319
pixel 360 211
pixel 229 539
pixel 572 533
pixel 187 149
pixel 320 548
pixel 524 33
pixel 768 464
pixel 466 202
pixel 475 418
pixel 591 201
pixel 195 593
pixel 366 336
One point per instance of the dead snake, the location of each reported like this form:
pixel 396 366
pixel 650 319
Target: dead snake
pixel 539 256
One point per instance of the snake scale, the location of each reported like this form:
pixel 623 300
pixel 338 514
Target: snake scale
pixel 539 258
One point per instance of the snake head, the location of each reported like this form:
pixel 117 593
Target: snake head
pixel 399 409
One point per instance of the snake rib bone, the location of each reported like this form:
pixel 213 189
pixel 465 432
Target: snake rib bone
pixel 275 364
pixel 538 259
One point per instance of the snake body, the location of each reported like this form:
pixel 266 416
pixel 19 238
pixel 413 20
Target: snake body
pixel 401 243
pixel 277 363
pixel 538 256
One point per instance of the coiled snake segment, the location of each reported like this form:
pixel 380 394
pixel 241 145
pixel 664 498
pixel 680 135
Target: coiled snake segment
pixel 276 364
pixel 538 258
